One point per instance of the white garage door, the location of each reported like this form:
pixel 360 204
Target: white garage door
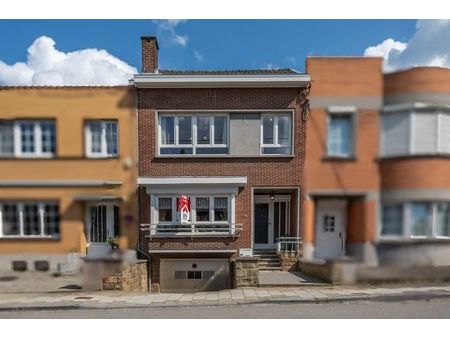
pixel 186 275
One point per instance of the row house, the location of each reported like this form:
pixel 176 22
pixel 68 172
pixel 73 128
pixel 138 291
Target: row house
pixel 67 174
pixel 377 161
pixel 229 147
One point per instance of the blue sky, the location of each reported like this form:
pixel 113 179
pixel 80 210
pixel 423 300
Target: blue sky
pixel 224 44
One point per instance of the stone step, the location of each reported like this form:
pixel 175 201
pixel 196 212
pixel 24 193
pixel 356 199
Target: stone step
pixel 275 263
pixel 270 268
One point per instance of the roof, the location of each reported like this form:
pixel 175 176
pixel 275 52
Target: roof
pixel 229 72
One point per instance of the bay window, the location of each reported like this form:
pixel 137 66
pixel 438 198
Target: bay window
pixel 198 134
pixel 101 138
pixel 407 133
pixel 29 219
pixel 276 134
pixel 416 220
pixel 24 138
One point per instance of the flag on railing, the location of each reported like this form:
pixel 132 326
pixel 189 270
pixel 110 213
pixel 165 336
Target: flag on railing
pixel 184 208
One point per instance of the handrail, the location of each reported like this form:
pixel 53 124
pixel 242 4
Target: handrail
pixel 288 244
pixel 191 229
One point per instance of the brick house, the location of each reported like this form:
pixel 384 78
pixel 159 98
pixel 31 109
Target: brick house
pixel 229 147
pixel 376 173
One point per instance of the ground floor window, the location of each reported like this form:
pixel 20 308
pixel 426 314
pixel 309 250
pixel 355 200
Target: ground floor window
pixel 203 209
pixel 29 219
pixel 416 219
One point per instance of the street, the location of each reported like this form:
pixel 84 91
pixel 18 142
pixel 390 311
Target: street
pixel 435 308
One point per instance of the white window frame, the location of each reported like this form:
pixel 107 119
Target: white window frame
pixel 20 210
pixel 37 131
pixel 353 126
pixel 407 222
pixel 104 148
pixel 194 145
pixel 193 215
pixel 276 143
pixel 411 134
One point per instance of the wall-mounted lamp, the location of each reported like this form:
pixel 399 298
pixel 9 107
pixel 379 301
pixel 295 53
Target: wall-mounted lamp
pixel 272 196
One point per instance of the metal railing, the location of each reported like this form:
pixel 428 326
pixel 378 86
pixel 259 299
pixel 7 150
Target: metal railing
pixel 288 244
pixel 176 229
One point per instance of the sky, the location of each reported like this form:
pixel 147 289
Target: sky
pixel 107 52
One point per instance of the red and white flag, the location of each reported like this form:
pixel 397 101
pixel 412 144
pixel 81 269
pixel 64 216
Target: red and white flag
pixel 184 208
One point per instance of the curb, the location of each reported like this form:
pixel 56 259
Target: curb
pixel 410 296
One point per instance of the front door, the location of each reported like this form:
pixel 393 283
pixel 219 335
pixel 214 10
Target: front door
pixel 271 221
pixel 330 228
pixel 102 223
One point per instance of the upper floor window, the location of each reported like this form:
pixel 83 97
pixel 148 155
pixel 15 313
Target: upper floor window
pixel 276 134
pixel 29 219
pixel 415 133
pixel 27 138
pixel 101 138
pixel 340 135
pixel 193 134
pixel 416 220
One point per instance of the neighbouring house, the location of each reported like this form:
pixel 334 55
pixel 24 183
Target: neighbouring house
pixel 67 183
pixel 377 184
pixel 220 166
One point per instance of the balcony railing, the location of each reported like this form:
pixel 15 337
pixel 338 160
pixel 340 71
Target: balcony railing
pixel 188 230
pixel 288 244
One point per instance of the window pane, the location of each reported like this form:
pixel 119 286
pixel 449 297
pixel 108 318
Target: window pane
pixel 10 220
pixel 165 209
pixel 276 150
pixel 48 137
pixel 212 151
pixel 167 130
pixel 96 137
pixel 175 151
pixel 31 223
pixel 185 130
pixel 221 209
pixel 111 138
pixel 339 135
pixel 203 130
pixel 444 133
pixel 392 220
pixel 220 130
pixel 284 130
pixel 268 122
pixel 27 137
pixel 51 219
pixel 443 219
pixel 202 209
pixel 420 218
pixel 6 138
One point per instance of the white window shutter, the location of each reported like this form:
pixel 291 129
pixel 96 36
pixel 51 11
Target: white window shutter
pixel 395 134
pixel 425 133
pixel 444 133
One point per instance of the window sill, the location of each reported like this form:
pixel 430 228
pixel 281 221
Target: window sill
pixel 412 156
pixel 223 156
pixel 417 240
pixel 55 238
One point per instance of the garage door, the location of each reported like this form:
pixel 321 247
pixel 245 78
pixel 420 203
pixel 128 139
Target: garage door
pixel 186 275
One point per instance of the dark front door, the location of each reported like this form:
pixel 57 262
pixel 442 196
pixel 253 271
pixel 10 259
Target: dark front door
pixel 261 221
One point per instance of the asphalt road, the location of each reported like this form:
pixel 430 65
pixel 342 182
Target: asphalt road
pixel 436 308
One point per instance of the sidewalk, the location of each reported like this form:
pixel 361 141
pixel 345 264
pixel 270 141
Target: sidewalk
pixel 113 299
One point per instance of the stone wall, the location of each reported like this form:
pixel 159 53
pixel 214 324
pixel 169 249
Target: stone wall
pixel 245 272
pixel 289 261
pixel 133 277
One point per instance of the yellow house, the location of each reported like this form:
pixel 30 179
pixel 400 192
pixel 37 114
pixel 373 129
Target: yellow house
pixel 67 173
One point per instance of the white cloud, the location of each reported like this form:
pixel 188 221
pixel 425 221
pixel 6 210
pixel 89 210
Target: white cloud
pixel 429 46
pixel 290 59
pixel 167 28
pixel 50 67
pixel 198 56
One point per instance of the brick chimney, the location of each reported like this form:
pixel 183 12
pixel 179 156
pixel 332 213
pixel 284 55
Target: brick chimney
pixel 149 54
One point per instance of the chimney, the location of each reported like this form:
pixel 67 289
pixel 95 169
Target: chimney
pixel 149 54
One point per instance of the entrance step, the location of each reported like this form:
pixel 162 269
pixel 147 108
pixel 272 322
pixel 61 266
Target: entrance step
pixel 268 261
